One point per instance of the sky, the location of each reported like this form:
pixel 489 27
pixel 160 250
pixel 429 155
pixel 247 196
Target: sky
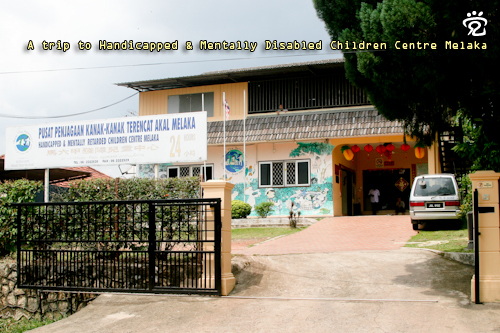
pixel 52 83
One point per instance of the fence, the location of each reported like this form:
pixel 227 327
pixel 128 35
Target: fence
pixel 154 246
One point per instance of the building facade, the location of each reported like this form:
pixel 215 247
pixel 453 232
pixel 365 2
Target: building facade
pixel 286 138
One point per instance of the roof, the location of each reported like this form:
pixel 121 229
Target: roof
pixel 93 174
pixel 311 68
pixel 302 126
pixel 59 176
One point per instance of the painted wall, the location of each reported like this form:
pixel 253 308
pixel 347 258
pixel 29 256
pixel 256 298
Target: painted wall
pixel 156 102
pixel 313 200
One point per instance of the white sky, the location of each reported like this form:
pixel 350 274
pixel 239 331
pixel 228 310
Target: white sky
pixel 65 92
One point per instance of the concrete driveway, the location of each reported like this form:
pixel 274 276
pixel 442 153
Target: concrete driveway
pixel 398 290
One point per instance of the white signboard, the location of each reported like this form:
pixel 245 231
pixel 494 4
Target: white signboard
pixel 163 138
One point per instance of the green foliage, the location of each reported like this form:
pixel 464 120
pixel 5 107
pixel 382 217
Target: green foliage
pixel 10 325
pixel 262 233
pixel 103 221
pixel 318 148
pixel 17 191
pixel 424 88
pixel 465 188
pixel 476 143
pixel 240 209
pixel 131 189
pixel 264 209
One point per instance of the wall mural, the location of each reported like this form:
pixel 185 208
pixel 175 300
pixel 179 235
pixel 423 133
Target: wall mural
pixel 316 199
pixel 148 170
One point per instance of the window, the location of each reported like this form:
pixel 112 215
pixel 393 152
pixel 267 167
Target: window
pixel 284 173
pixel 191 103
pixel 190 171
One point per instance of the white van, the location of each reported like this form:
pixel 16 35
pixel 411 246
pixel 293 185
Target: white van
pixel 434 197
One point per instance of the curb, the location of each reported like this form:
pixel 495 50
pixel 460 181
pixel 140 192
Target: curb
pixel 466 258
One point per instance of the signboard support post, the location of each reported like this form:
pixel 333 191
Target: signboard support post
pixel 46 194
pixel 244 148
pixel 156 171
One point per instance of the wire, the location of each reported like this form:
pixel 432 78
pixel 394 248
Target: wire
pixel 64 116
pixel 160 63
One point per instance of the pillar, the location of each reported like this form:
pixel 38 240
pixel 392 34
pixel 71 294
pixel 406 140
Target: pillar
pixel 221 189
pixel 486 182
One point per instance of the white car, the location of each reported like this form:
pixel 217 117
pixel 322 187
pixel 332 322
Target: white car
pixel 434 197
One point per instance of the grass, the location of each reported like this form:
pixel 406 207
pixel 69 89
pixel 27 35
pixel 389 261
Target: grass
pixel 9 325
pixel 441 240
pixel 258 233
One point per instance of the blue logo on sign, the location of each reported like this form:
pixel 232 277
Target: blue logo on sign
pixel 234 160
pixel 23 142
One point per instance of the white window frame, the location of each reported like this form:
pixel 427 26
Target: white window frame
pixel 285 182
pixel 201 166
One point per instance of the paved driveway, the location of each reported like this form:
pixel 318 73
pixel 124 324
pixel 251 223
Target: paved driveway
pixel 350 233
pixel 389 289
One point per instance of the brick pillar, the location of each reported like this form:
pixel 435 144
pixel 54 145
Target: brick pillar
pixel 222 189
pixel 486 182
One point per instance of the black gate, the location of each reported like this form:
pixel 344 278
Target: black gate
pixel 154 246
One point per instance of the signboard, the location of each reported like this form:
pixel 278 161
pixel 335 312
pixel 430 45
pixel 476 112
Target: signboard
pixel 485 184
pixel 166 138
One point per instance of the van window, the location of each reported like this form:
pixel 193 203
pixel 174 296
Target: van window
pixel 434 186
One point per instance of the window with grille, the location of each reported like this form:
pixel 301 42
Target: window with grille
pixel 284 173
pixel 191 171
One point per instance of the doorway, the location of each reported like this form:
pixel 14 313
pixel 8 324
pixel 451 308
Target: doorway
pixel 392 184
pixel 347 191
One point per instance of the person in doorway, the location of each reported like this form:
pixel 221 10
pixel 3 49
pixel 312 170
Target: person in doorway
pixel 374 195
pixel 400 206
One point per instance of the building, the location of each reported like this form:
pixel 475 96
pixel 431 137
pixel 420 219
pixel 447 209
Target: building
pixel 298 118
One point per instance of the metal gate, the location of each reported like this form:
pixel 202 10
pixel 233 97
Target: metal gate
pixel 153 246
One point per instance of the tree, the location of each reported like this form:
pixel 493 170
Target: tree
pixel 423 87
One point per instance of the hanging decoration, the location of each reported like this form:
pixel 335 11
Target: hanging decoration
pixel 419 150
pixel 390 147
pixel 348 154
pixel 355 149
pixel 380 149
pixel 368 148
pixel 405 147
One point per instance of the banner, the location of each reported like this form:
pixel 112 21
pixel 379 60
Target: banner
pixel 166 138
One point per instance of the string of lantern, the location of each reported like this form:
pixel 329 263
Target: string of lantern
pixel 387 150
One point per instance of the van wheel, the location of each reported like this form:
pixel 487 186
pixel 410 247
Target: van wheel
pixel 415 226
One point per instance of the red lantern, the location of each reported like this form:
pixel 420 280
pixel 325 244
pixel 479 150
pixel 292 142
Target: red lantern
pixel 368 148
pixel 388 154
pixel 405 147
pixel 380 149
pixel 390 147
pixel 355 149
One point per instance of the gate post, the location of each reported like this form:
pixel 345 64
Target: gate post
pixel 486 182
pixel 221 189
